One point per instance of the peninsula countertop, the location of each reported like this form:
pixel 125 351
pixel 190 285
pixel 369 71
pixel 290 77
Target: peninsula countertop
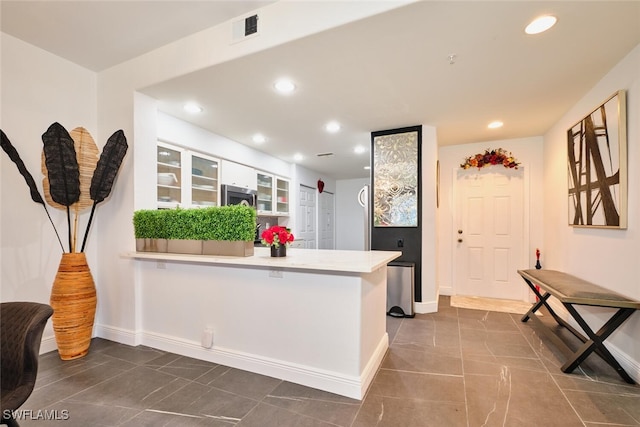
pixel 349 261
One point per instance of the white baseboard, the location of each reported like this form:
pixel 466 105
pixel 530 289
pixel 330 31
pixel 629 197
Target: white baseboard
pixel 334 382
pixel 425 307
pixel 123 336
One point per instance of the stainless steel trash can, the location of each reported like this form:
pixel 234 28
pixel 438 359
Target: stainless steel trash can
pixel 400 289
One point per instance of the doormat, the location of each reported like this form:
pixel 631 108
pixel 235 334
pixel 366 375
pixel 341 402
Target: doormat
pixel 490 304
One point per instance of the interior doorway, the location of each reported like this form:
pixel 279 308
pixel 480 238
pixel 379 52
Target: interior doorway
pixel 306 218
pixel 490 240
pixel 326 221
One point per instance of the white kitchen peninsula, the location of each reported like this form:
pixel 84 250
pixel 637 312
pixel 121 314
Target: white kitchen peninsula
pixel 315 317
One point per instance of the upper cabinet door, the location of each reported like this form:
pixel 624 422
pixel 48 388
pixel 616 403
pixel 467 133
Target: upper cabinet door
pixel 238 175
pixel 265 193
pixel 169 181
pixel 282 196
pixel 204 181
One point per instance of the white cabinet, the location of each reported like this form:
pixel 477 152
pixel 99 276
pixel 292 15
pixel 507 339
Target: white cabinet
pixel 273 194
pixel 169 181
pixel 238 175
pixel 186 178
pixel 265 193
pixel 204 180
pixel 282 196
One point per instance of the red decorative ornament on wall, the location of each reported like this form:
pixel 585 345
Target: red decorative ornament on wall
pixel 320 186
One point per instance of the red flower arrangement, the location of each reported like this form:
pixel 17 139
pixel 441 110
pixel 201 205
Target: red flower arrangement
pixel 499 156
pixel 276 236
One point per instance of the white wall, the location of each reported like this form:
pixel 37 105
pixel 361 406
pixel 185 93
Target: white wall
pixel 350 233
pixel 429 220
pixel 529 152
pixel 610 258
pixel 38 89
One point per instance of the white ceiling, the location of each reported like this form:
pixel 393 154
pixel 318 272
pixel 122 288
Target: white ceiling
pixel 384 72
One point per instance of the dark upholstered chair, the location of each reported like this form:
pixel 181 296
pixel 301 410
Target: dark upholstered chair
pixel 21 327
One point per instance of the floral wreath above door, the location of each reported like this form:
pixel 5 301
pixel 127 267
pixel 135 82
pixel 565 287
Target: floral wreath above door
pixel 490 157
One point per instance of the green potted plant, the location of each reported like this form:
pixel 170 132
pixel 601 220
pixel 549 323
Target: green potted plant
pixel 150 231
pixel 220 230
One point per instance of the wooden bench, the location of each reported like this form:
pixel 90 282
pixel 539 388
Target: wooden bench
pixel 572 291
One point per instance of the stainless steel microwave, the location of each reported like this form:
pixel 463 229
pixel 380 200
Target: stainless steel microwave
pixel 232 195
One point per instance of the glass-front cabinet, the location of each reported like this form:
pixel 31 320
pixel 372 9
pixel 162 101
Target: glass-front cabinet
pixel 273 195
pixel 204 181
pixel 169 176
pixel 185 178
pixel 265 193
pixel 282 196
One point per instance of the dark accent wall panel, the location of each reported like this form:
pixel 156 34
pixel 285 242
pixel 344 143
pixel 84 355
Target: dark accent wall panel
pixel 396 196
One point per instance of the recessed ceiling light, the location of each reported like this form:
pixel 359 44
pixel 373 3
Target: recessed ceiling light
pixel 541 24
pixel 192 108
pixel 259 138
pixel 495 125
pixel 359 149
pixel 332 126
pixel 297 157
pixel 284 86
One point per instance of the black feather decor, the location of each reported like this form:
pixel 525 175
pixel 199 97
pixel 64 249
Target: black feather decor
pixel 105 173
pixel 35 193
pixel 62 167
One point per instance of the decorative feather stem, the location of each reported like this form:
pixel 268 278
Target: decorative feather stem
pixel 105 173
pixel 62 165
pixel 35 194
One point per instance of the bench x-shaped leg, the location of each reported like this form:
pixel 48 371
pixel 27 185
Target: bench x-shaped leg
pixel 596 341
pixel 542 301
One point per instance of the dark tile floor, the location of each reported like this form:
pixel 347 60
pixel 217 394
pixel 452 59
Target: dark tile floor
pixel 458 367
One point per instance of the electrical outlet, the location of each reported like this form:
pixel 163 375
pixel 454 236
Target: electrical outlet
pixel 161 265
pixel 275 273
pixel 401 243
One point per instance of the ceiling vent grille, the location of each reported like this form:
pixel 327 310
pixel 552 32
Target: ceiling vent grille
pixel 244 28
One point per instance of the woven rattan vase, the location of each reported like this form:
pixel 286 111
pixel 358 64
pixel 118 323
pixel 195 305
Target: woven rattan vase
pixel 73 298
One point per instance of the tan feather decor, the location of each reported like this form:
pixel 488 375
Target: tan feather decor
pixel 87 155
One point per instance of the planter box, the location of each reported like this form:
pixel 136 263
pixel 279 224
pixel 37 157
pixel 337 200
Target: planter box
pixel 179 246
pixel 227 247
pixel 196 247
pixel 151 245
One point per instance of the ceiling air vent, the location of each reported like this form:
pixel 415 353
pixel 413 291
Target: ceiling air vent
pixel 324 154
pixel 244 28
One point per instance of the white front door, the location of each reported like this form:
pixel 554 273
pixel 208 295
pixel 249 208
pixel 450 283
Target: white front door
pixel 326 225
pixel 489 238
pixel 307 216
